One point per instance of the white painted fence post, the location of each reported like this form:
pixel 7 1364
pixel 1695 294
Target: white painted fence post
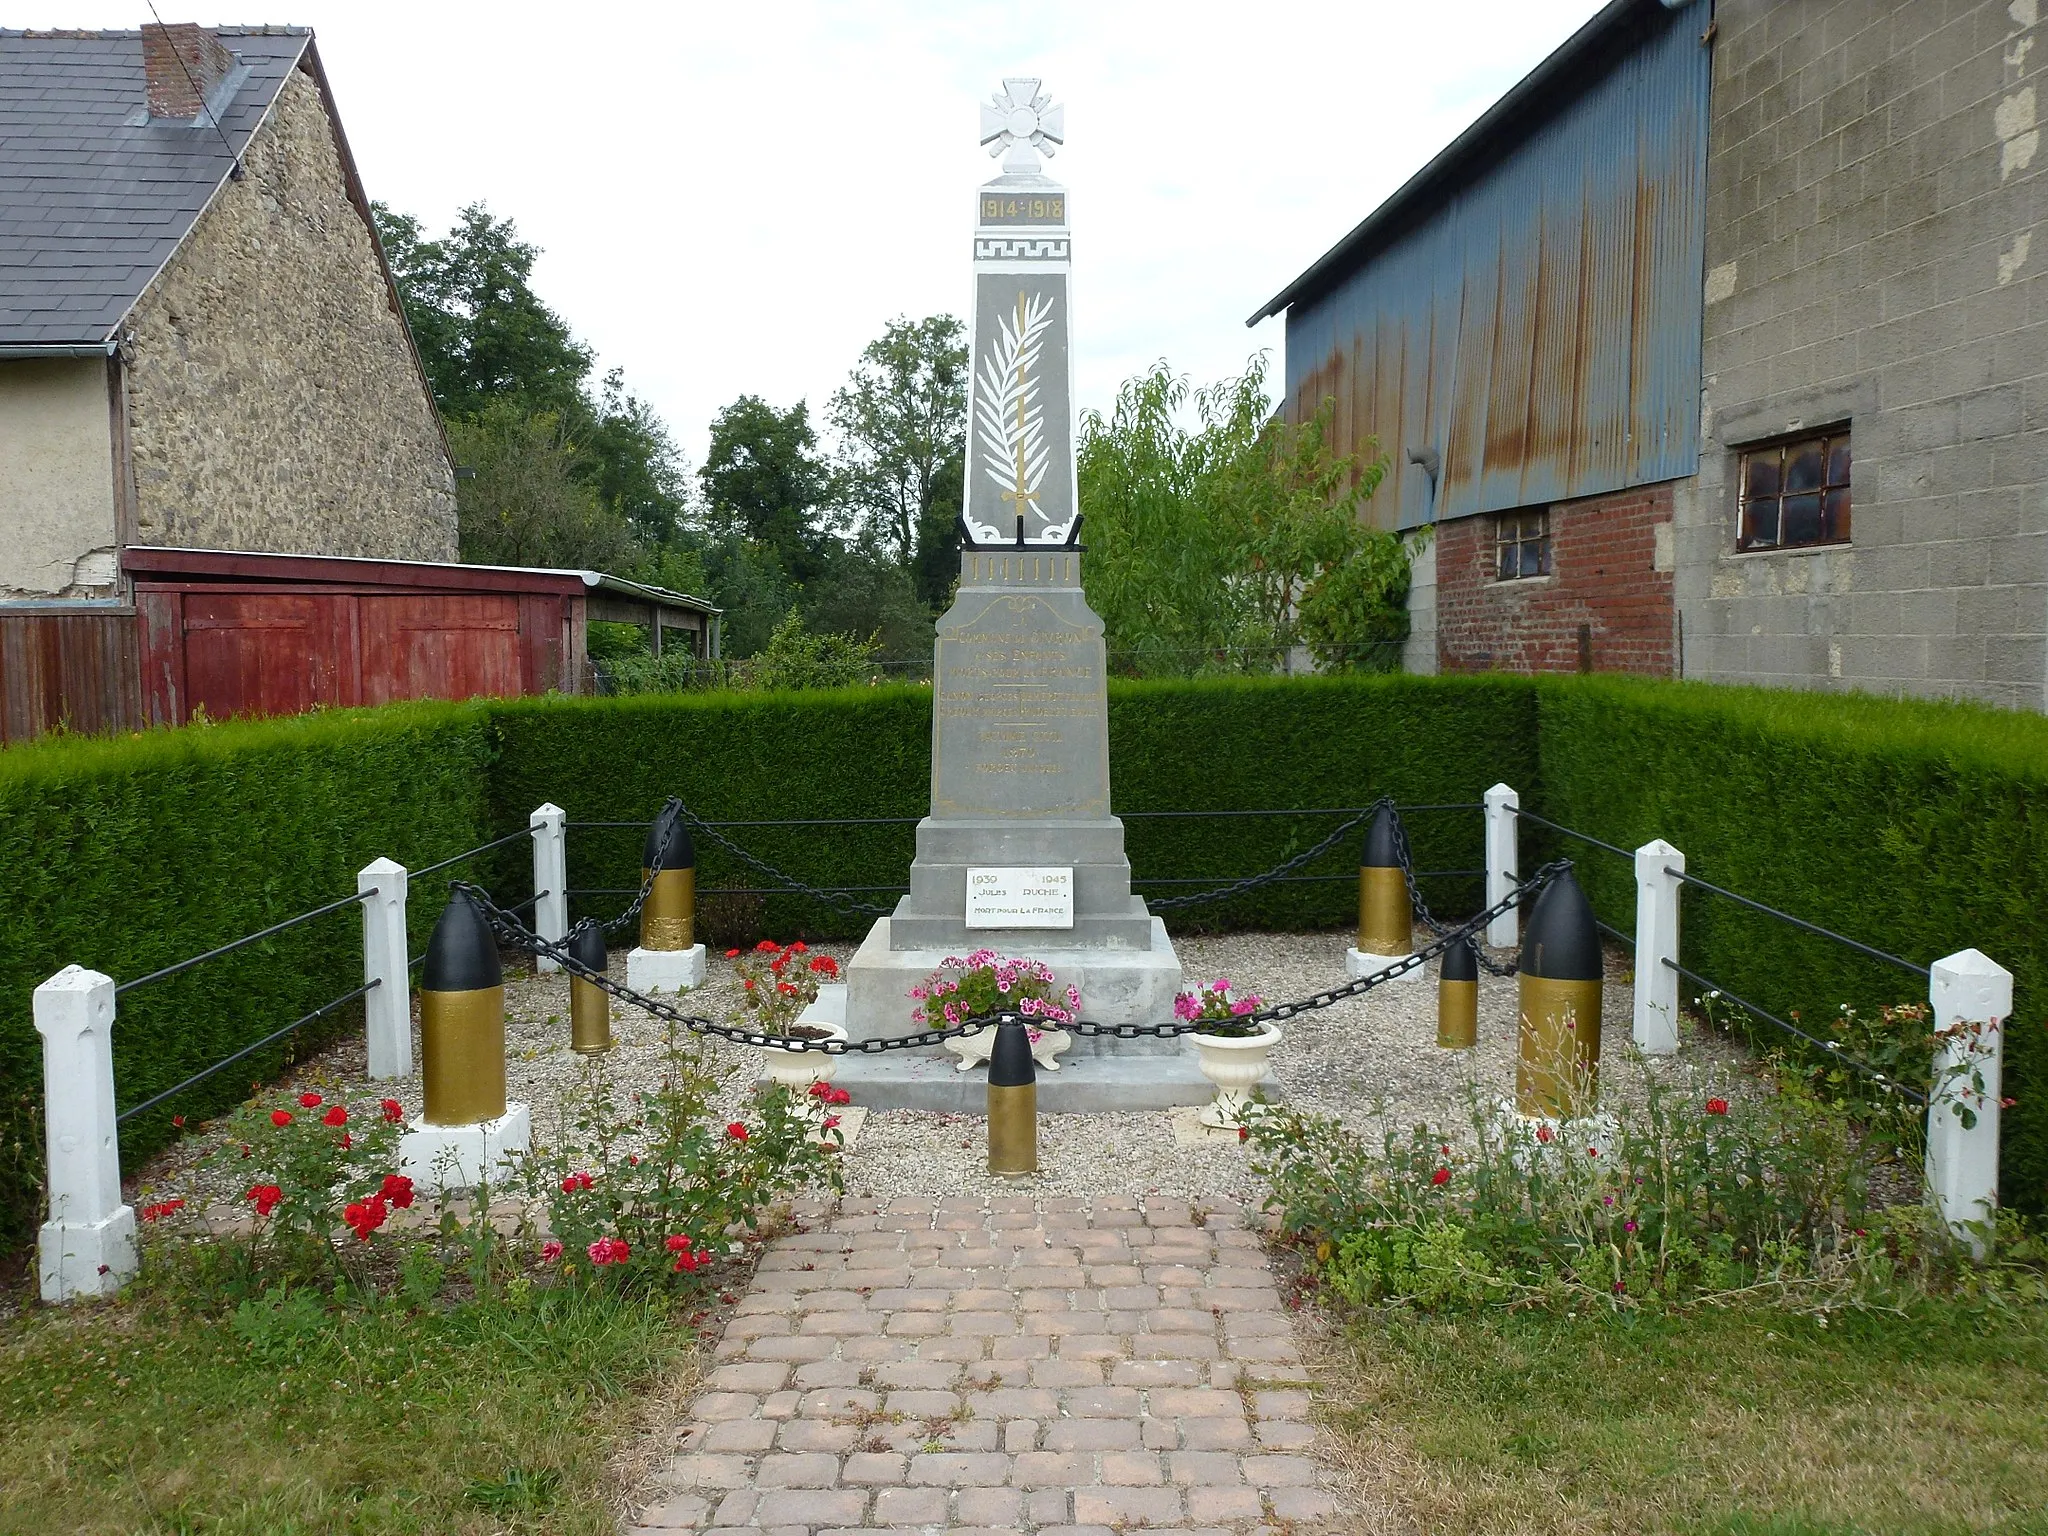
pixel 550 878
pixel 88 1244
pixel 387 1008
pixel 1503 863
pixel 1658 866
pixel 1972 998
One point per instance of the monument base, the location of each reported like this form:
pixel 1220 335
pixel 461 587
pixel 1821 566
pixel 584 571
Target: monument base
pixel 439 1158
pixel 1359 964
pixel 1108 1083
pixel 87 1258
pixel 1117 986
pixel 665 970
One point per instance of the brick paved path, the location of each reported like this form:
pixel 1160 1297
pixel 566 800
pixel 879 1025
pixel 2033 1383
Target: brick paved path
pixel 1059 1367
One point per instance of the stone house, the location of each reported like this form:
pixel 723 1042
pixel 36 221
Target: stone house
pixel 200 343
pixel 1718 348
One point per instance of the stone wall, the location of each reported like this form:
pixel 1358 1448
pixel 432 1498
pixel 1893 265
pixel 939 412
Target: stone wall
pixel 273 400
pixel 56 478
pixel 1605 606
pixel 1873 257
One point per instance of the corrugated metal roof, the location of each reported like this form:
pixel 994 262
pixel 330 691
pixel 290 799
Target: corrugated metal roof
pixel 94 197
pixel 1537 324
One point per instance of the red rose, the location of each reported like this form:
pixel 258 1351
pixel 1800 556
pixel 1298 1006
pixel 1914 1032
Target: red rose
pixel 309 1101
pixel 393 1110
pixel 1441 1176
pixel 825 965
pixel 178 1121
pixel 159 1211
pixel 1543 1133
pixel 839 1096
pixel 266 1197
pixel 767 947
pixel 1717 1106
pixel 397 1189
pixel 785 988
pixel 1592 1151
pixel 365 1218
pixel 280 1117
pixel 609 1250
pixel 677 1244
pixel 732 954
pixel 335 1116
pixel 1244 1133
pixel 736 1131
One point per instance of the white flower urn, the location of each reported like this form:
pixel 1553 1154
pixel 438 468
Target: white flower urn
pixel 797 1070
pixel 1235 1065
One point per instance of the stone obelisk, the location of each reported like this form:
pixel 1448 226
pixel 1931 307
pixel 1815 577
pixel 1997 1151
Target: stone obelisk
pixel 1020 852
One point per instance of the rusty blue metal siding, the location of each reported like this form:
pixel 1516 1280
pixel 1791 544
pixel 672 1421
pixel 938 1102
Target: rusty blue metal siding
pixel 1539 326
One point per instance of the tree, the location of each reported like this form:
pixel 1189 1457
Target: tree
pixel 629 459
pixel 523 503
pixel 901 418
pixel 1221 548
pixel 482 332
pixel 763 479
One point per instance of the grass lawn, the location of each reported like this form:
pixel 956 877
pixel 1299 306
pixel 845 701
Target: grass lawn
pixel 137 1416
pixel 1715 1424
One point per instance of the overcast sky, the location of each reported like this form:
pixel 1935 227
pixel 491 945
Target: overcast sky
pixel 735 198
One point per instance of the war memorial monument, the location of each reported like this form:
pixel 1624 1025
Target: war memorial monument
pixel 1021 852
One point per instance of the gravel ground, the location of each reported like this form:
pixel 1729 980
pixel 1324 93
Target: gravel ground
pixel 1354 1060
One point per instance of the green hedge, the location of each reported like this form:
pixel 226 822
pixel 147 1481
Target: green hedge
pixel 1918 828
pixel 126 854
pixel 1921 828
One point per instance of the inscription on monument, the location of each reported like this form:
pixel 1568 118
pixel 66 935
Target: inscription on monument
pixel 1019 721
pixel 1020 898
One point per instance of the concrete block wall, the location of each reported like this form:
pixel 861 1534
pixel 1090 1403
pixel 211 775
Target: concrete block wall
pixel 1875 255
pixel 1610 576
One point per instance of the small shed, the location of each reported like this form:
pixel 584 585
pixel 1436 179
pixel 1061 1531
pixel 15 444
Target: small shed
pixel 261 634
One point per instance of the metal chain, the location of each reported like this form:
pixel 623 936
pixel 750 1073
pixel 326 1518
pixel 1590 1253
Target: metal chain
pixel 1421 907
pixel 632 911
pixel 1253 882
pixel 517 935
pixel 788 882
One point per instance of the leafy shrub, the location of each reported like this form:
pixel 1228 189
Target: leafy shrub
pixel 651 1191
pixel 1683 1192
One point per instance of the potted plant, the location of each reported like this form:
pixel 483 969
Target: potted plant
pixel 1229 1048
pixel 984 983
pixel 777 983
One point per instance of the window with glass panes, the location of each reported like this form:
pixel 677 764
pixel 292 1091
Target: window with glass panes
pixel 1521 545
pixel 1796 493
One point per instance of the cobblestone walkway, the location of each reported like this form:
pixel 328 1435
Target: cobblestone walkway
pixel 1061 1367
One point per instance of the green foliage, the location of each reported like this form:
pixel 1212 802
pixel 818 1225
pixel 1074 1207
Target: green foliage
pixel 794 658
pixel 1678 1191
pixel 125 854
pixel 525 502
pixel 1920 828
pixel 763 480
pixel 648 1192
pixel 901 417
pixel 610 642
pixel 1218 549
pixel 483 333
pixel 294 1412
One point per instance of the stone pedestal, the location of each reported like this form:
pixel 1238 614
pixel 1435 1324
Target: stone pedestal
pixel 439 1158
pixel 665 970
pixel 1359 964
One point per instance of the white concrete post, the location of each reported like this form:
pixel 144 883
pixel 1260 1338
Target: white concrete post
pixel 1503 863
pixel 1971 997
pixel 387 1007
pixel 1658 866
pixel 88 1244
pixel 550 879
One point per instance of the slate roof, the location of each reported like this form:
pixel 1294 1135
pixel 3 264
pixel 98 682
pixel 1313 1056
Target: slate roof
pixel 93 197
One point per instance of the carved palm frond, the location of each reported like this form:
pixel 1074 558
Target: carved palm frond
pixel 1007 411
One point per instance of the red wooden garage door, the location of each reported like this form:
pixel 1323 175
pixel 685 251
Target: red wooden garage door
pixel 439 647
pixel 262 653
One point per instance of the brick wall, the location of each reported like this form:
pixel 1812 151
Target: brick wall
pixel 1609 576
pixel 1876 254
pixel 273 402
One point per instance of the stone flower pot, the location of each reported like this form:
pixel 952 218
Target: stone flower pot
pixel 1235 1066
pixel 797 1070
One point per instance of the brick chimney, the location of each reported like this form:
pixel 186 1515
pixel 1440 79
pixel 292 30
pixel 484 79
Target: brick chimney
pixel 182 63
